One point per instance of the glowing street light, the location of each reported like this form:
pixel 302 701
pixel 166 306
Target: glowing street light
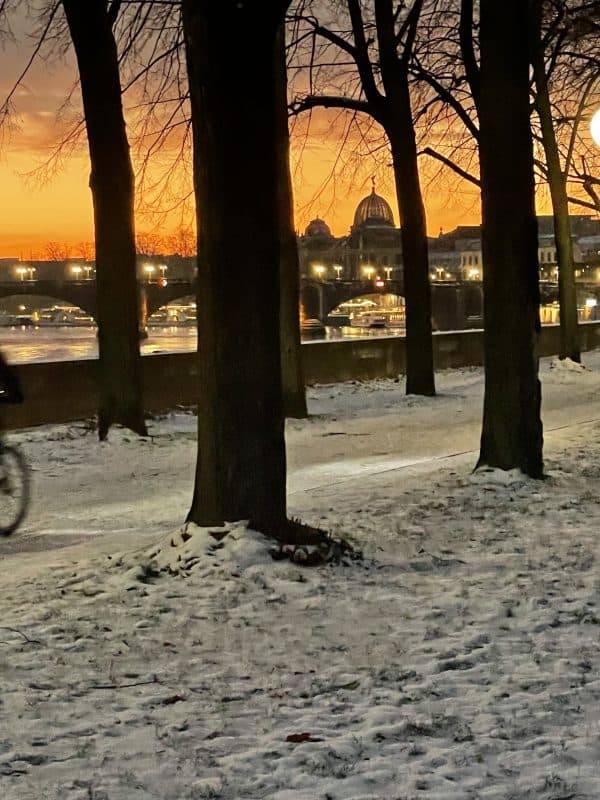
pixel 76 270
pixel 21 272
pixel 163 269
pixel 31 270
pixel 319 271
pixel 88 270
pixel 595 127
pixel 149 270
pixel 388 272
pixel 338 270
pixel 368 271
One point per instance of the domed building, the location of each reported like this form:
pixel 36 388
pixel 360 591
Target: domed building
pixel 373 211
pixel 371 249
pixel 318 228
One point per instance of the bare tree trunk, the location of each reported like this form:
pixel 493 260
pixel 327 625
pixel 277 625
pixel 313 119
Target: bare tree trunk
pixel 567 293
pixel 417 289
pixel 112 185
pixel 512 428
pixel 241 469
pixel 294 395
pixel 397 118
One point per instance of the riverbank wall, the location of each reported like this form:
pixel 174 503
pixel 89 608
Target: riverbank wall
pixel 65 391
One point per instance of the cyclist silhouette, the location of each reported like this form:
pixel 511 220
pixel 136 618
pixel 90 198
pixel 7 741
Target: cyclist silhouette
pixel 10 385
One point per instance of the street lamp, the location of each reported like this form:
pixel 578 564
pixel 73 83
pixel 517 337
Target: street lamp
pixel 338 271
pixel 163 269
pixel 149 270
pixel 76 270
pixel 388 272
pixel 21 272
pixel 368 271
pixel 319 271
pixel 87 269
pixel 31 270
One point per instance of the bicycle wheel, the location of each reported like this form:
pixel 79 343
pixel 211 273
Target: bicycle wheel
pixel 14 489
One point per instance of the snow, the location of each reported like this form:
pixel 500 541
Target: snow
pixel 143 659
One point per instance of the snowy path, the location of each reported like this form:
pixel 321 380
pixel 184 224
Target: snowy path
pixel 459 661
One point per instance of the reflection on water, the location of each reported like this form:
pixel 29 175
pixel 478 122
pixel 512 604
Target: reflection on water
pixel 24 345
pixel 31 344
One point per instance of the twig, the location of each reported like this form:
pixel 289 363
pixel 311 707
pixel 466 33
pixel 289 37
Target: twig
pixel 15 630
pixel 125 685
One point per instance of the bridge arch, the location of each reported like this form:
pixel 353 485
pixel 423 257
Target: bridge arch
pixel 319 298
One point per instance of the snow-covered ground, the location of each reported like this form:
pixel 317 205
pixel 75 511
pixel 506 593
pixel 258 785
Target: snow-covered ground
pixel 459 660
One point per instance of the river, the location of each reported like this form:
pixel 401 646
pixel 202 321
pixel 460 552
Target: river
pixel 22 345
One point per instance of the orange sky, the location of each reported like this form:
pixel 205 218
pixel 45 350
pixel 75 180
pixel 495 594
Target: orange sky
pixel 60 209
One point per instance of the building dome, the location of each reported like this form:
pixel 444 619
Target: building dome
pixel 317 227
pixel 373 210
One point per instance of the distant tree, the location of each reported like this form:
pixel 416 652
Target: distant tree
pixel 557 180
pixel 57 251
pixel 512 429
pixel 85 251
pixel 294 394
pixel 149 243
pixel 182 242
pixel 378 47
pixel 112 184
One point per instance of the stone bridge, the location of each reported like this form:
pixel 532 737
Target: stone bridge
pixel 455 305
pixel 151 295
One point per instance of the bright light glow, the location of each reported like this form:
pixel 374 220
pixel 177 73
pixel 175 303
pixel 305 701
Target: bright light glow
pixel 368 271
pixel 591 302
pixel 595 127
pixel 76 271
pixel 319 270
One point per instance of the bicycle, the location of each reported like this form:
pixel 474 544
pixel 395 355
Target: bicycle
pixel 14 487
pixel 14 470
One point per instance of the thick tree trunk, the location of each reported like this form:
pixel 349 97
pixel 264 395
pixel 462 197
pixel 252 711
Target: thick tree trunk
pixel 112 185
pixel 512 428
pixel 417 289
pixel 241 470
pixel 294 395
pixel 570 346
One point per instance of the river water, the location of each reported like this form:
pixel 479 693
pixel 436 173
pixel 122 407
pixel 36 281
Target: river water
pixel 22 345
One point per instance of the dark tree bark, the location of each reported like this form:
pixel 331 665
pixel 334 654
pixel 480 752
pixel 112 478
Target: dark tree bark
pixel 512 429
pixel 392 110
pixel 241 469
pixel 294 394
pixel 112 185
pixel 570 346
pixel 397 120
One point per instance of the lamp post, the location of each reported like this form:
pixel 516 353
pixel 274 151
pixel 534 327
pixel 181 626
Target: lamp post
pixel 388 272
pixel 21 272
pixel 338 271
pixel 31 270
pixel 319 271
pixel 149 270
pixel 368 271
pixel 163 269
pixel 76 270
pixel 88 270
